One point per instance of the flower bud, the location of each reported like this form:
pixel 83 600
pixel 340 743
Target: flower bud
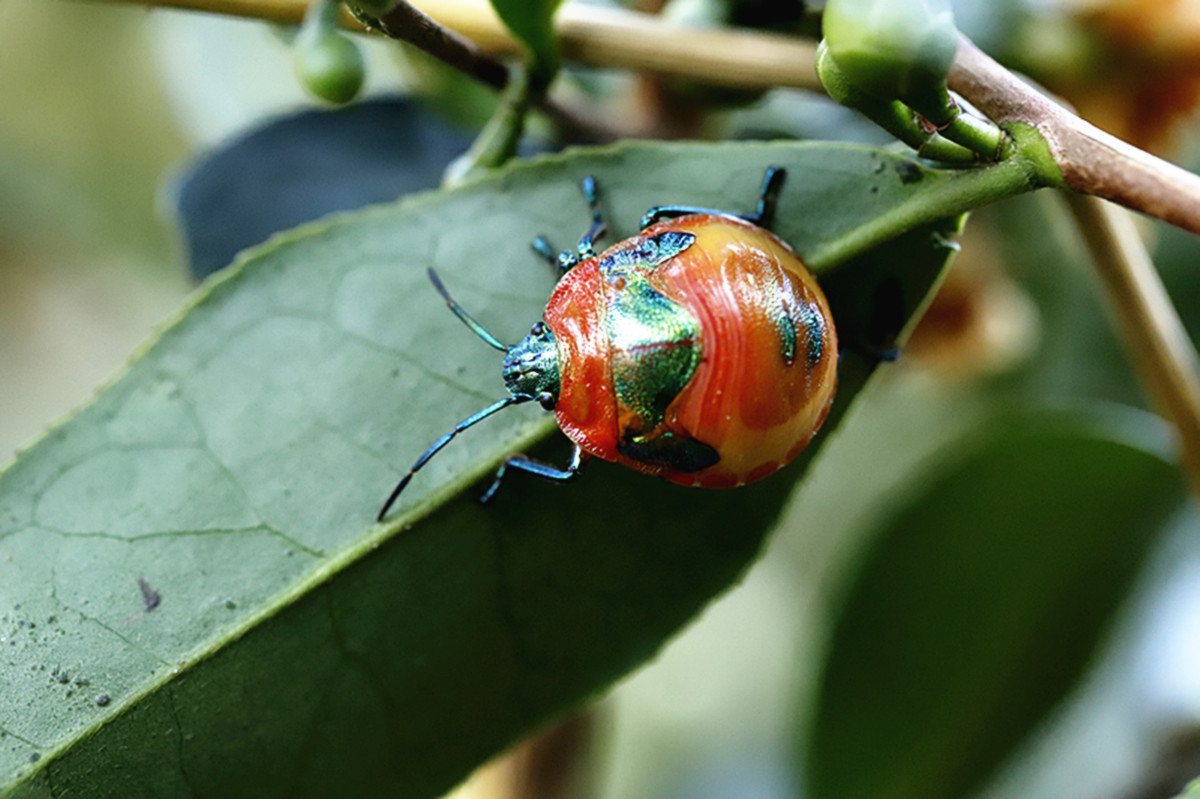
pixel 894 49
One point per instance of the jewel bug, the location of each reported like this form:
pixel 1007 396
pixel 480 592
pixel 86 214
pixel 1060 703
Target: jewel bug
pixel 700 350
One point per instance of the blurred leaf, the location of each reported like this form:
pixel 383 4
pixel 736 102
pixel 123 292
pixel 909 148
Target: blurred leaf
pixel 193 592
pixel 69 168
pixel 981 602
pixel 1175 256
pixel 532 21
pixel 1079 353
pixel 1192 791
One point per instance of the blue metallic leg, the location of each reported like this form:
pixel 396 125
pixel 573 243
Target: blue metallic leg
pixel 587 243
pixel 598 227
pixel 542 246
pixel 527 464
pixel 561 262
pixel 763 214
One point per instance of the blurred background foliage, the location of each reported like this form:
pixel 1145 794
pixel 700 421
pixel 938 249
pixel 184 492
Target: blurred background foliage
pixel 138 149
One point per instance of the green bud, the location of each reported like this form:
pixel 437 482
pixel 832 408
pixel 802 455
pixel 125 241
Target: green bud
pixel 895 49
pixel 891 115
pixel 329 65
pixel 837 85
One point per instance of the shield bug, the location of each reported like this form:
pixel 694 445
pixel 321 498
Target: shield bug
pixel 700 350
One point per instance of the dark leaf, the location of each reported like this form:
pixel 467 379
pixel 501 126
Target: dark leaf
pixel 981 602
pixel 302 167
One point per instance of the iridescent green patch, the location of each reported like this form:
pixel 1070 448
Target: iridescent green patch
pixel 814 325
pixel 655 340
pixel 656 349
pixel 680 453
pixel 786 327
pixel 790 316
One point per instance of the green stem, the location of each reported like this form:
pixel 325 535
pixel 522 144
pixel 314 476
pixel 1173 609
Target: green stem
pixel 892 115
pixel 322 17
pixel 978 135
pixel 497 142
pixel 898 119
pixel 961 191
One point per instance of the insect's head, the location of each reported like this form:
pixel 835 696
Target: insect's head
pixel 531 367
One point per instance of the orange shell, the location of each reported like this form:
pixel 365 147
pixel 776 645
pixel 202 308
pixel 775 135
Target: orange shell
pixel 745 399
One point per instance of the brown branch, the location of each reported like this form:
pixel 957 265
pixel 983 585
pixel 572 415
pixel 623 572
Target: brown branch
pixel 600 37
pixel 408 24
pixel 1159 346
pixel 1091 161
pixel 1088 159
pixel 613 37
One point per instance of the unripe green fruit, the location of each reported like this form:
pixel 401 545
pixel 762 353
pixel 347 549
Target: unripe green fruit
pixel 893 49
pixel 329 65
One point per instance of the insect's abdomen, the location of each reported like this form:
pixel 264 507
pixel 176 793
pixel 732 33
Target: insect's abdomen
pixel 768 371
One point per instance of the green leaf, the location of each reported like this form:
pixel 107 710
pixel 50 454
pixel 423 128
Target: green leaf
pixel 532 21
pixel 194 596
pixel 981 602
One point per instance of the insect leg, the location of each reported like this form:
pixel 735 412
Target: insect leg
pixel 767 198
pixel 542 246
pixel 526 464
pixel 561 262
pixel 660 212
pixel 762 216
pixel 598 227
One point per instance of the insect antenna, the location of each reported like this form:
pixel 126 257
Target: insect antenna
pixel 463 316
pixel 442 442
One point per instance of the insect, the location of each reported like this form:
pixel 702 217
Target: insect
pixel 700 350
